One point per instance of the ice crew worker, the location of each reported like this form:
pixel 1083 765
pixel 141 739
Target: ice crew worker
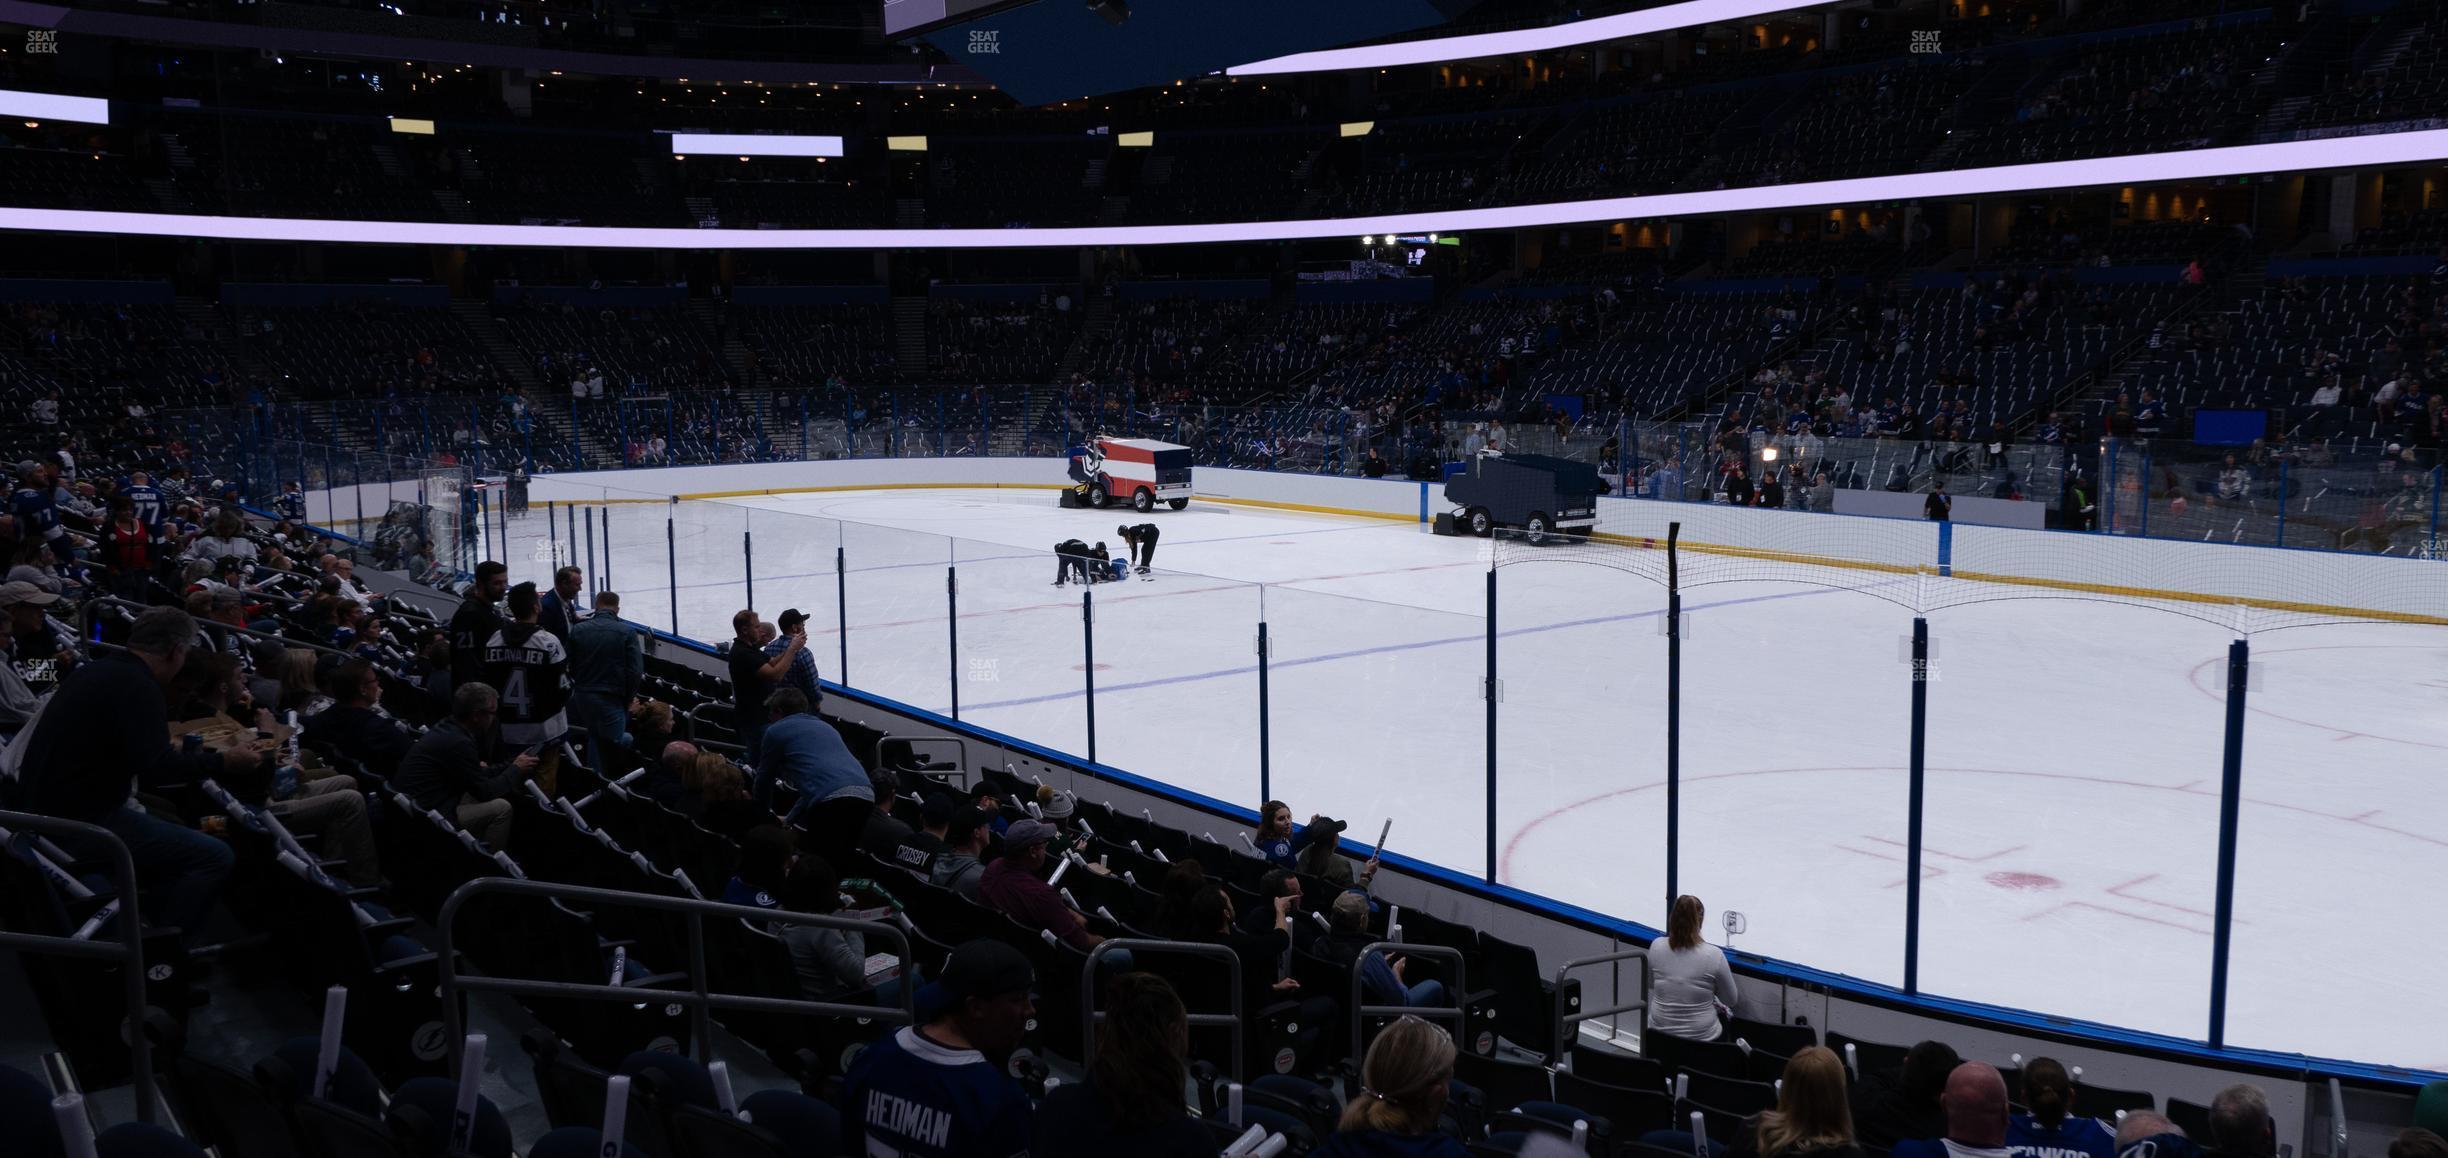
pixel 1141 541
pixel 1070 558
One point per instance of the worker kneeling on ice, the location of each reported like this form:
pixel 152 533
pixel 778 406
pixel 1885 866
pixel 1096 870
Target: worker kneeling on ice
pixel 1075 560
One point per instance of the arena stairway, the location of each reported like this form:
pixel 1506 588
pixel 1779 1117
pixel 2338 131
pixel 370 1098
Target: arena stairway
pixel 505 354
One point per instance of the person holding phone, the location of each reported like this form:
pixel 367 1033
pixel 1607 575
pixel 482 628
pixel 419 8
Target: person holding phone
pixel 793 640
pixel 1322 859
pixel 1264 955
pixel 754 675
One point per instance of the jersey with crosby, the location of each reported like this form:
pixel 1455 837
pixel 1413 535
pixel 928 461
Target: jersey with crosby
pixel 530 669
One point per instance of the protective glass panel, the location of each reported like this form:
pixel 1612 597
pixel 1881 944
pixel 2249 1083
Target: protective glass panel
pixel 1581 736
pixel 1796 744
pixel 612 537
pixel 2124 488
pixel 528 541
pixel 1023 645
pixel 2341 794
pixel 2072 812
pixel 794 570
pixel 1376 714
pixel 715 547
pixel 1177 681
pixel 646 563
pixel 899 618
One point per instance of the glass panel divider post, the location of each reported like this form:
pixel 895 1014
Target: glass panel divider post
pixel 841 595
pixel 952 631
pixel 1266 771
pixel 2231 806
pixel 1918 774
pixel 1491 690
pixel 1088 666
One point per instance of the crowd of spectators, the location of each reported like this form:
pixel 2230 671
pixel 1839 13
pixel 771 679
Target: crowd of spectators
pixel 244 635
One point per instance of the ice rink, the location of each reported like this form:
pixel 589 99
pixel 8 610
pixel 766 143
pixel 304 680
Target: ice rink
pixel 2073 744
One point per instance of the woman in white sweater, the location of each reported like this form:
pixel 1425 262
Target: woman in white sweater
pixel 1688 977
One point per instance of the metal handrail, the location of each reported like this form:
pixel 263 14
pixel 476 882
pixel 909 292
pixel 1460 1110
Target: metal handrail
pixel 696 997
pixel 1568 1022
pixel 1088 991
pixel 85 626
pixel 689 729
pixel 128 953
pixel 1456 989
pixel 960 744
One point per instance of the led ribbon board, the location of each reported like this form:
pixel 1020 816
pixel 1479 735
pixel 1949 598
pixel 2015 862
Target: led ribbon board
pixel 755 145
pixel 2376 151
pixel 16 104
pixel 1521 41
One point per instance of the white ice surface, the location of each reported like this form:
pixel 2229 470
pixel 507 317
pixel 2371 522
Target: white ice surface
pixel 2073 746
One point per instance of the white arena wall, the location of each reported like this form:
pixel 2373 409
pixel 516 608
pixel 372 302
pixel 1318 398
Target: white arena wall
pixel 1725 543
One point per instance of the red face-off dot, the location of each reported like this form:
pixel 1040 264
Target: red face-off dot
pixel 2022 882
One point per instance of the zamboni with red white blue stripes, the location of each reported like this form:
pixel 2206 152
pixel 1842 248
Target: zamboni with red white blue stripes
pixel 1140 471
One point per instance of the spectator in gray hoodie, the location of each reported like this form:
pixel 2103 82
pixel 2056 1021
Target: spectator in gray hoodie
pixel 957 867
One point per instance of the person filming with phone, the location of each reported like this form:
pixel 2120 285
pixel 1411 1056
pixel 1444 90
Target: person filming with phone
pixel 793 642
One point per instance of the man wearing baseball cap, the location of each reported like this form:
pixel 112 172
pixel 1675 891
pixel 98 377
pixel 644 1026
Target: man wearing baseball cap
pixel 1015 884
pixel 41 647
pixel 938 1090
pixel 802 673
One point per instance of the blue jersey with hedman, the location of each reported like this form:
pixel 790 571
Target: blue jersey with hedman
pixel 910 1096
